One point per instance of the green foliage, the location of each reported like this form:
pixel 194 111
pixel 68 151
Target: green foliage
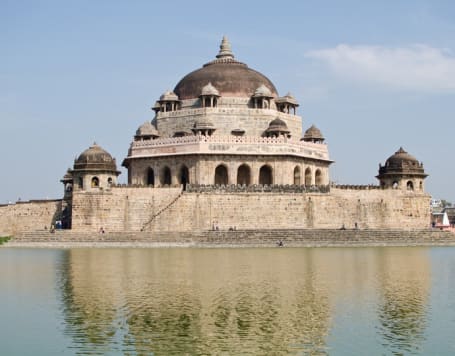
pixel 4 239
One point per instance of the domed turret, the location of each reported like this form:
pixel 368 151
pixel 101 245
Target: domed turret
pixel 231 77
pixel 276 128
pixel 209 89
pixel 169 96
pixel 313 134
pixel 94 168
pixel 286 104
pixel 262 92
pixel 402 171
pixel 169 101
pixel 209 96
pixel 204 126
pixel 146 131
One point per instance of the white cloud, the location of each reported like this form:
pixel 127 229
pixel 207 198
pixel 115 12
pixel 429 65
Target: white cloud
pixel 416 67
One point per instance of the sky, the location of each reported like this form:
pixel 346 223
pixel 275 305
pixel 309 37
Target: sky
pixel 372 76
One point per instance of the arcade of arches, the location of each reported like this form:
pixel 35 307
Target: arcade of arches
pixel 223 175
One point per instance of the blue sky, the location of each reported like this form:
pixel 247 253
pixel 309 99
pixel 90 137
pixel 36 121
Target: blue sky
pixel 373 76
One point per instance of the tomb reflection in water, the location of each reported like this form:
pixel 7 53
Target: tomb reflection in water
pixel 210 301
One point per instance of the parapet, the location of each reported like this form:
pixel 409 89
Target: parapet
pixel 256 188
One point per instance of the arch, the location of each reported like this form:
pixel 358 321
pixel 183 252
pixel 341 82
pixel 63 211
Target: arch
pixel 421 185
pixel 80 182
pixel 297 180
pixel 166 176
pixel 318 177
pixel 184 176
pixel 221 175
pixel 150 176
pixel 95 182
pixel 109 182
pixel 244 175
pixel 409 185
pixel 308 176
pixel 265 175
pixel 395 185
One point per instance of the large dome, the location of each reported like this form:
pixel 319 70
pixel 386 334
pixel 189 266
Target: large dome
pixel 229 76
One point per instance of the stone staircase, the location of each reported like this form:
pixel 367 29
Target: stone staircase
pixel 158 213
pixel 290 238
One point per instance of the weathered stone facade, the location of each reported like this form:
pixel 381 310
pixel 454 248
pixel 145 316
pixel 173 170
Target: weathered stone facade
pixel 170 209
pixel 29 216
pixel 225 124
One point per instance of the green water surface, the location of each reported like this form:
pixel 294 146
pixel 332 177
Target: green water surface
pixel 271 301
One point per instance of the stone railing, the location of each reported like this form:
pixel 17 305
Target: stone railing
pixel 223 139
pixel 228 144
pixel 355 187
pixel 167 186
pixel 231 107
pixel 256 188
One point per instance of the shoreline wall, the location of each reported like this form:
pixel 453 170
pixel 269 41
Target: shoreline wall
pixel 168 209
pixel 29 216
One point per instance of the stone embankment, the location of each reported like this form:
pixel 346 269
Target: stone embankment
pixel 237 238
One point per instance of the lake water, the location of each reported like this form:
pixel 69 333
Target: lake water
pixel 274 301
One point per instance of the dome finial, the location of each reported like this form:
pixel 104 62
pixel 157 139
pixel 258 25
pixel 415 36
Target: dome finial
pixel 225 49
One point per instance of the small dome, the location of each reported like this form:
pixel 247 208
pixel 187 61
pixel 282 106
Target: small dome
pixel 95 158
pixel 169 96
pixel 401 163
pixel 402 159
pixel 263 92
pixel 203 123
pixel 313 133
pixel 147 129
pixel 278 125
pixel 209 89
pixel 288 98
pixel 68 177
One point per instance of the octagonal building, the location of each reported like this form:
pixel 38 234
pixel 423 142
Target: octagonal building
pixel 225 124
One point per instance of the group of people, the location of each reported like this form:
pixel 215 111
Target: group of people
pixel 356 227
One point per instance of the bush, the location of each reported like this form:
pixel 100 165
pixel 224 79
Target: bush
pixel 4 239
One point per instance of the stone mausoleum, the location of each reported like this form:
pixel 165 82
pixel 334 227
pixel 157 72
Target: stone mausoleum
pixel 224 146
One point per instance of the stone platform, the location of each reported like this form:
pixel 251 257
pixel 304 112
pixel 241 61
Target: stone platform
pixel 238 238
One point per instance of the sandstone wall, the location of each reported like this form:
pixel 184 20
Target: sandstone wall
pixel 166 209
pixel 29 216
pixel 120 208
pixel 372 209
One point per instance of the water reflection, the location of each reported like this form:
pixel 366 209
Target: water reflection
pixel 237 301
pixel 404 287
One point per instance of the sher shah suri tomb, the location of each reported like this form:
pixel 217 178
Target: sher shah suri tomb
pixel 225 149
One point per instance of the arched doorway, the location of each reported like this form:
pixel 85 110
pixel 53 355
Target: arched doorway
pixel 297 175
pixel 166 176
pixel 410 185
pixel 318 177
pixel 150 177
pixel 243 175
pixel 308 176
pixel 95 182
pixel 221 175
pixel 265 175
pixel 184 176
